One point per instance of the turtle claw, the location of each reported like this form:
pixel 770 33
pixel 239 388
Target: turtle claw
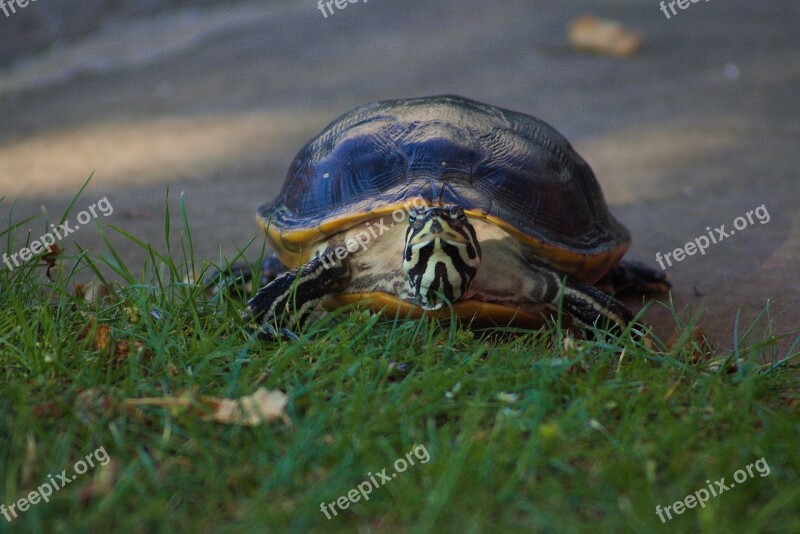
pixel 237 279
pixel 635 276
pixel 271 267
pixel 267 332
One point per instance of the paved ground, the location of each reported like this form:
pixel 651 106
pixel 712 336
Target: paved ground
pixel 698 129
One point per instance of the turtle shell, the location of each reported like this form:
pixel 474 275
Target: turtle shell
pixel 506 167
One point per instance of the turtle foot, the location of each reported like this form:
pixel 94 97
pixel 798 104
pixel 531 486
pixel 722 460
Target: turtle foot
pixel 237 279
pixel 636 277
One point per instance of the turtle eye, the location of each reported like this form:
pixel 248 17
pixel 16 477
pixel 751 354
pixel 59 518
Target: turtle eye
pixel 416 218
pixel 457 215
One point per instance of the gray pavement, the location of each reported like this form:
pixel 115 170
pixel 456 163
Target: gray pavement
pixel 700 127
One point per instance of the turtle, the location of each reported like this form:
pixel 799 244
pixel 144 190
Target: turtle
pixel 444 205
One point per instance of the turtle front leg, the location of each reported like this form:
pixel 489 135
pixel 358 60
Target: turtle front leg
pixel 287 301
pixel 588 306
pixel 237 279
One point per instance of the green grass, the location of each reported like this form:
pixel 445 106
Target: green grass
pixel 526 432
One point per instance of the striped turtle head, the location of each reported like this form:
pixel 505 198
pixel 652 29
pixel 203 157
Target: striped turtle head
pixel 441 255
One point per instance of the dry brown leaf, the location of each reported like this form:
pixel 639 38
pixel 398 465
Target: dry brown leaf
pixel 50 257
pixel 102 336
pixel 571 347
pixel 696 345
pixel 175 405
pixel 91 292
pixel 606 37
pixel 261 407
pixel 123 351
pixel 122 348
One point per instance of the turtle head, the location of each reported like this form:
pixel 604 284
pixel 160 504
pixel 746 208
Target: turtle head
pixel 441 254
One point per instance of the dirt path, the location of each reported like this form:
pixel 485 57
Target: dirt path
pixel 212 101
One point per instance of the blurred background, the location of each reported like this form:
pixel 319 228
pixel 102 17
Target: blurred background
pixel 212 99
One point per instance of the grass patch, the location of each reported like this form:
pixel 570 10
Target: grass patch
pixel 523 432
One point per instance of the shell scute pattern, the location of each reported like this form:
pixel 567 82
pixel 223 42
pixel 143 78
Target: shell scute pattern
pixel 495 163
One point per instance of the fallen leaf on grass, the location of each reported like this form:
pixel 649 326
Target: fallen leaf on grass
pixel 123 351
pixel 696 346
pixel 571 347
pixel 102 336
pixel 53 252
pixel 606 37
pixel 175 405
pixel 91 292
pixel 261 407
pixel 103 341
